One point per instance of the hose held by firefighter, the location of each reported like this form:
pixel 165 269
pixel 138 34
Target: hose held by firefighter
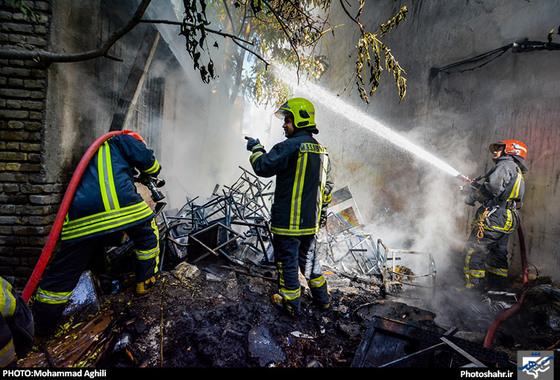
pixel 106 204
pixel 301 198
pixel 500 194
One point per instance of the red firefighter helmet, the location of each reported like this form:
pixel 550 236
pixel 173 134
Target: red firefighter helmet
pixel 134 134
pixel 512 147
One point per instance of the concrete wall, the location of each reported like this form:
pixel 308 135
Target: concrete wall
pixel 454 115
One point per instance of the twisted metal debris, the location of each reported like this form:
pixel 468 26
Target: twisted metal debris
pixel 234 224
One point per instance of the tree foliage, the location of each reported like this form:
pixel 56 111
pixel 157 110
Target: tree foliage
pixel 372 53
pixel 289 32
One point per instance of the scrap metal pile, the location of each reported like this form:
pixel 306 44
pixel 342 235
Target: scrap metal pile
pixel 234 224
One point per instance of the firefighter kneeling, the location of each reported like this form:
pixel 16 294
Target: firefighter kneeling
pixel 105 204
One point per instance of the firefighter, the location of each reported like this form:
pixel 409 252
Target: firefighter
pixel 501 194
pixel 301 197
pixel 106 204
pixel 16 326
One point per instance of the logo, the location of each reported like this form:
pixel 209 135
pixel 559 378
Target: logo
pixel 535 365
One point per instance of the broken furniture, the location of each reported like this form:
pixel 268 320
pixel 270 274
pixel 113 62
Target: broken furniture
pixel 233 224
pixel 349 249
pixel 391 343
pixel 394 274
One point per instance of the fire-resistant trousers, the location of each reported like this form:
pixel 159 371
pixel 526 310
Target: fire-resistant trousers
pixel 486 261
pixel 299 252
pixel 70 261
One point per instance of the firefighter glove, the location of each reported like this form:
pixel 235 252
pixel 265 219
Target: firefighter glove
pixel 251 143
pixel 470 199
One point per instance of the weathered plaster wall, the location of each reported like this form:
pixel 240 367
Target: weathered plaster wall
pixel 51 113
pixel 456 116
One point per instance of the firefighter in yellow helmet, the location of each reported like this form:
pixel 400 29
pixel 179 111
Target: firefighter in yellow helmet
pixel 500 195
pixel 303 191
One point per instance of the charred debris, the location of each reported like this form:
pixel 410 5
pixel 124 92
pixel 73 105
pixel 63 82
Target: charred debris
pixel 211 307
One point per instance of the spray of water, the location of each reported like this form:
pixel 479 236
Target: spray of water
pixel 353 114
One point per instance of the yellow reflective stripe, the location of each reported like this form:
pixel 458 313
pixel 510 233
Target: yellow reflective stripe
pixel 7 354
pixel 147 254
pixel 153 252
pixel 280 274
pixel 106 180
pixel 474 272
pixel 53 298
pixel 516 187
pixel 101 173
pixel 105 220
pixel 294 232
pixel 508 227
pixel 471 272
pixel 321 195
pixel 255 155
pixel 317 282
pixel 155 229
pixel 312 148
pixel 288 294
pixel 498 271
pixel 154 168
pixel 297 191
pixel 7 300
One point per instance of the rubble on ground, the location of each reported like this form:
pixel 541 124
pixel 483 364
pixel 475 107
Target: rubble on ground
pixel 211 305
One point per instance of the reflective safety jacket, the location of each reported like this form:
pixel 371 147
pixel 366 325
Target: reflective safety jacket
pixel 501 194
pixel 106 199
pixel 16 325
pixel 303 182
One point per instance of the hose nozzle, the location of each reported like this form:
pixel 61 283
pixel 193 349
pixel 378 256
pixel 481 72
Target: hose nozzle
pixel 465 178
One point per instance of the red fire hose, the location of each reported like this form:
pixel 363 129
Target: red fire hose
pixel 492 331
pixel 63 210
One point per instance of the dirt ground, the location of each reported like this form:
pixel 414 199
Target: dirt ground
pixel 218 315
pixel 222 317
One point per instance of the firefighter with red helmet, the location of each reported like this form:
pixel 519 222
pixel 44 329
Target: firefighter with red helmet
pixel 106 204
pixel 301 196
pixel 500 195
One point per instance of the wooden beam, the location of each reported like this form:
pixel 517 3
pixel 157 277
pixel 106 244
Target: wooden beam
pixel 135 81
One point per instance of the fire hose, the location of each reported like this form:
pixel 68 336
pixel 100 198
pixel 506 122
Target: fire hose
pixel 61 215
pixel 489 338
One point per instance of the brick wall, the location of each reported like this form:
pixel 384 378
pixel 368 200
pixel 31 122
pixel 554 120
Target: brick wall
pixel 28 204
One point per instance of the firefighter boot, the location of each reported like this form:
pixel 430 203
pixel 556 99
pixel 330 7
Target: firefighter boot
pixel 289 308
pixel 320 292
pixel 496 282
pixel 144 287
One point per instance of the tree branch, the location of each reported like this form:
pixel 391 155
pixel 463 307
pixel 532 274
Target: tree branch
pixel 101 51
pixel 285 30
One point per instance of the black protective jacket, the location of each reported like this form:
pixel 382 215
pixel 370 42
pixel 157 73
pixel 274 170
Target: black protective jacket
pixel 106 199
pixel 303 182
pixel 501 194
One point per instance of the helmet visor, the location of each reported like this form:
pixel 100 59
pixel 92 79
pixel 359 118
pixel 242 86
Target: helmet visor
pixel 284 111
